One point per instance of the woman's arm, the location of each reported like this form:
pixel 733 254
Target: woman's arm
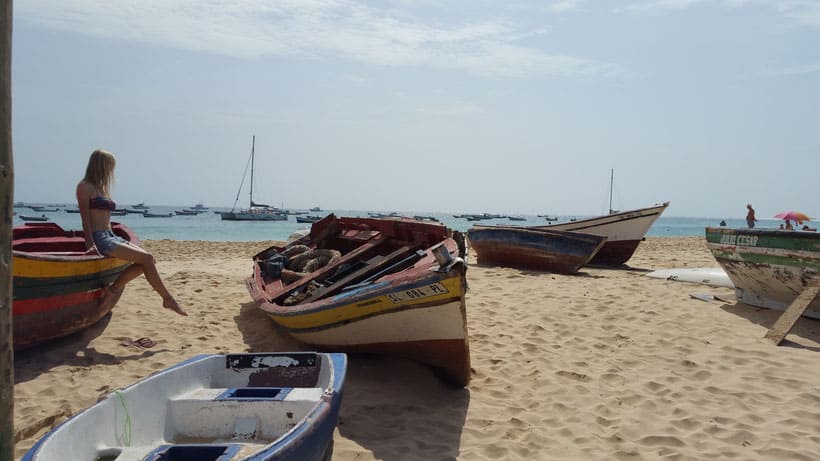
pixel 83 197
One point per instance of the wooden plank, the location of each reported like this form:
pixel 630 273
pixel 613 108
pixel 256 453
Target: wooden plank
pixel 789 317
pixel 330 267
pixel 361 273
pixel 6 237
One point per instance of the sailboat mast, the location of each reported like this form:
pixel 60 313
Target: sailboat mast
pixel 611 179
pixel 253 144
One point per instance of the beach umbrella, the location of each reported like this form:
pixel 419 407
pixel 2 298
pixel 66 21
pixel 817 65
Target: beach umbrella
pixel 793 216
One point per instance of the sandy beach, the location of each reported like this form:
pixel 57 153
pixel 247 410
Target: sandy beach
pixel 607 364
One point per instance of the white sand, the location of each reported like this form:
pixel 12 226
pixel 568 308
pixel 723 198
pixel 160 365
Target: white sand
pixel 606 364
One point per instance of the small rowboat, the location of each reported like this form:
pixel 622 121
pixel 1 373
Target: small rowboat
pixel 218 407
pixel 530 248
pixel 385 286
pixel 56 285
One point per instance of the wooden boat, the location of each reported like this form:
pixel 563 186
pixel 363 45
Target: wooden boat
pixel 624 230
pixel 309 219
pixel 390 286
pixel 33 218
pixel 768 267
pixel 56 286
pixel 529 248
pixel 217 407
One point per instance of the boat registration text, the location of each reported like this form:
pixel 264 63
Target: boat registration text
pixel 744 240
pixel 417 293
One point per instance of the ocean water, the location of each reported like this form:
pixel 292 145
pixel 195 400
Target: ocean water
pixel 209 225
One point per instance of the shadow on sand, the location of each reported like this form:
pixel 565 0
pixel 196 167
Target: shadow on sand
pixel 805 327
pixel 390 406
pixel 32 362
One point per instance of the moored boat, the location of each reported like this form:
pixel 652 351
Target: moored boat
pixel 309 219
pixel 217 407
pixel 33 218
pixel 768 267
pixel 56 285
pixel 255 211
pixel 624 231
pixel 529 248
pixel 385 286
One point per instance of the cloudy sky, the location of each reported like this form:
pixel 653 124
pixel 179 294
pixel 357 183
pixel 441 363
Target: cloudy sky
pixel 473 106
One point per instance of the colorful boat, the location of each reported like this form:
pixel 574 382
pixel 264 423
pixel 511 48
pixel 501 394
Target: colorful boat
pixel 56 285
pixel 386 286
pixel 768 267
pixel 529 248
pixel 623 230
pixel 218 407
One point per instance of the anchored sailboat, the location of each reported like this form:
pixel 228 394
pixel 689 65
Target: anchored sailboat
pixel 255 211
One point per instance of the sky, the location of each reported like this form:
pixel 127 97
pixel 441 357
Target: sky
pixel 516 107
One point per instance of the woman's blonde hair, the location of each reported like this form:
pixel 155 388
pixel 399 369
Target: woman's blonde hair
pixel 100 171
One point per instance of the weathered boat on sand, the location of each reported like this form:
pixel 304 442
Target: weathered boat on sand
pixel 624 230
pixel 769 267
pixel 386 286
pixel 218 407
pixel 529 248
pixel 56 285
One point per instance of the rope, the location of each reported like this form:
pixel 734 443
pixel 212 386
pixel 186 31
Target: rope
pixel 126 427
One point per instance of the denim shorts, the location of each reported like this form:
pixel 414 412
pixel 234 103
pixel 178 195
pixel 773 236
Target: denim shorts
pixel 105 241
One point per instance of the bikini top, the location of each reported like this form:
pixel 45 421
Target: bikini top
pixel 102 203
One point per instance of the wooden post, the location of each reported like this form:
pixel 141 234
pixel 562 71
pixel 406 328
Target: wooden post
pixel 783 325
pixel 6 209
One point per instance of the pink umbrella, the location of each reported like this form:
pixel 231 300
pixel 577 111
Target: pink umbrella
pixel 793 216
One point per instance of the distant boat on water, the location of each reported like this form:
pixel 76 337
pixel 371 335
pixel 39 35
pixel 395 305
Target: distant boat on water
pixel 316 208
pixel 255 211
pixel 157 215
pixel 140 206
pixel 33 218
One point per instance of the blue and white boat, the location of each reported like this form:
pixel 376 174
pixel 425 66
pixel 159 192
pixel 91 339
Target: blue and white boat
pixel 218 407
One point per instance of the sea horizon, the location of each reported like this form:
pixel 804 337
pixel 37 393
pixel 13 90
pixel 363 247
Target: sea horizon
pixel 209 226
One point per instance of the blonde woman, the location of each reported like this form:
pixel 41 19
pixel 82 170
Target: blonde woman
pixel 94 201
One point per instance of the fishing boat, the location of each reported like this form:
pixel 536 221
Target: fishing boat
pixel 624 231
pixel 529 248
pixel 255 211
pixel 769 267
pixel 309 219
pixel 148 214
pixel 33 218
pixel 140 206
pixel 387 286
pixel 56 285
pixel 215 407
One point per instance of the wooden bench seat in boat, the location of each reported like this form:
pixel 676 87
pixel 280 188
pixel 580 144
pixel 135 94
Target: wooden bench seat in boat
pixel 330 268
pixel 373 266
pixel 238 414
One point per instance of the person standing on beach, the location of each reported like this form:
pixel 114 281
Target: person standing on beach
pixel 94 201
pixel 750 216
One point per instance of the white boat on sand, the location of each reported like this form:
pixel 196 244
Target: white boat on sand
pixel 220 407
pixel 623 230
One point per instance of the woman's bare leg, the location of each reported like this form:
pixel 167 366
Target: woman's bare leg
pixel 144 263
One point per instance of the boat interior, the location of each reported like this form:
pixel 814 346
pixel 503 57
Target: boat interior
pixel 366 250
pixel 240 404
